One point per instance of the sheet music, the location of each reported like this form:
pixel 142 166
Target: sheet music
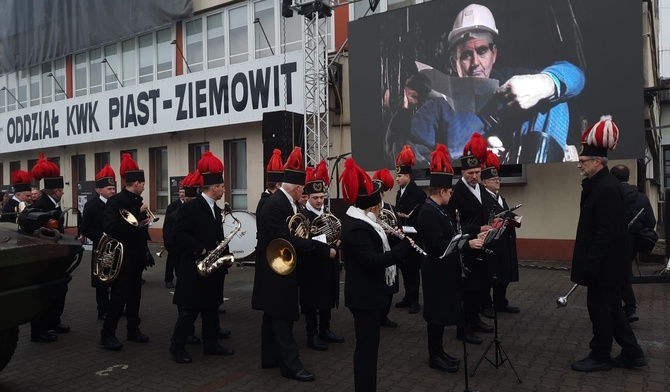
pixel 409 230
pixel 456 243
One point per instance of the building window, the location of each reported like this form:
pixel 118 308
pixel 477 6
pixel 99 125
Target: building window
pixel 291 35
pixel 80 74
pixel 112 65
pixel 195 152
pixel 95 61
pixel 14 166
pixel 164 53
pixel 238 34
pixel 31 163
pixel 23 87
pixel 194 49
pixel 236 180
pixel 101 159
pixel 146 45
pixel 78 168
pixel 59 75
pixel 265 13
pixel 35 85
pixel 666 168
pixel 159 173
pixel 216 43
pixel 3 99
pixel 129 69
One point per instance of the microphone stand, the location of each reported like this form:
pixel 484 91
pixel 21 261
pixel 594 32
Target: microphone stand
pixel 336 169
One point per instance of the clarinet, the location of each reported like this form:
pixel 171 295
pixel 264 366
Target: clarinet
pixel 459 229
pixel 386 226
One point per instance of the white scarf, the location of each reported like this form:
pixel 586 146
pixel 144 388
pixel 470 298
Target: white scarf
pixel 357 213
pixel 475 190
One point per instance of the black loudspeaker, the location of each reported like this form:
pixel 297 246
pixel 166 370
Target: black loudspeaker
pixel 283 130
pixel 286 10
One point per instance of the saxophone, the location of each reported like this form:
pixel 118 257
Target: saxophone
pixel 216 259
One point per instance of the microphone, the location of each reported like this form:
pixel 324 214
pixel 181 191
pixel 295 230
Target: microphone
pixel 338 157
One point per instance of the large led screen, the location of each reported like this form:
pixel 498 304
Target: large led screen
pixel 529 75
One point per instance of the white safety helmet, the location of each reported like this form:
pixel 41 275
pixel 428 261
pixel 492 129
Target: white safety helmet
pixel 471 19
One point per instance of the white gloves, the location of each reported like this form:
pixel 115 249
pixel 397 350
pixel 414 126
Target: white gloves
pixel 525 91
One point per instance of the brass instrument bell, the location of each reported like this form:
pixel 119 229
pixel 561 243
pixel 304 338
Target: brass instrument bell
pixel 281 256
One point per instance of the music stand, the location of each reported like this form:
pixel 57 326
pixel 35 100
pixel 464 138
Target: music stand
pixel 500 355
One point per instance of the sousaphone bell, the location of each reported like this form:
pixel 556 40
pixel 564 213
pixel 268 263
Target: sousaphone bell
pixel 281 256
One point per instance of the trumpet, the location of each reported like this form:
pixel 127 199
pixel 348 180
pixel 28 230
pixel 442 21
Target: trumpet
pixel 562 302
pixel 152 216
pixel 160 252
pixel 386 226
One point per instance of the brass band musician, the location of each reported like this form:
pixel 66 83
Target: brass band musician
pixel 21 184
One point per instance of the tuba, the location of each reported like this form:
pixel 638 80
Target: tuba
pixel 216 259
pixel 109 252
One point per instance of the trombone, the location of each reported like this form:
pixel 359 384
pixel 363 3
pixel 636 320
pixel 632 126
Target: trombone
pixel 152 216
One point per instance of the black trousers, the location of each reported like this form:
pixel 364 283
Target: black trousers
pixel 609 321
pixel 170 266
pixel 411 277
pixel 435 339
pixel 51 316
pixel 472 302
pixel 278 346
pixel 366 325
pixel 126 292
pixel 386 309
pixel 102 298
pixel 185 326
pixel 627 294
pixel 499 296
pixel 324 316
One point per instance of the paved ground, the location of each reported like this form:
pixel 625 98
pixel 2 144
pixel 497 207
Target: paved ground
pixel 541 342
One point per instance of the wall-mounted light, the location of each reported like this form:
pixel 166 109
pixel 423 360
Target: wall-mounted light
pixel 112 69
pixel 258 21
pixel 174 42
pixel 12 95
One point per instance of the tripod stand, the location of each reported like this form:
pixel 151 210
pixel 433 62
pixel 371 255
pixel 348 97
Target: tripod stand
pixel 500 355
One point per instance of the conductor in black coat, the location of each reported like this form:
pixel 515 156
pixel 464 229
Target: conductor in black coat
pixel 370 265
pixel 407 202
pixel 441 275
pixel 601 257
pixel 92 227
pixel 319 281
pixel 198 231
pixel 503 264
pixel 277 295
pixel 127 287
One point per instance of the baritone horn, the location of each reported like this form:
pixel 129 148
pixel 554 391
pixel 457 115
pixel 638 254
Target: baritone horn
pixel 109 252
pixel 562 302
pixel 281 256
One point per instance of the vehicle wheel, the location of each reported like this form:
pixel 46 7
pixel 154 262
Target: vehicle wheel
pixel 8 340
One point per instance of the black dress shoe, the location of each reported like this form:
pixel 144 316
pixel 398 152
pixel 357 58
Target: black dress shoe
pixel 45 337
pixel 440 363
pixel 218 350
pixel 315 343
pixel 488 313
pixel 589 364
pixel 402 304
pixel 450 359
pixel 60 328
pixel 626 362
pixel 137 336
pixel 169 285
pixel 632 317
pixel 414 308
pixel 192 339
pixel 111 343
pixel 221 334
pixel 480 326
pixel 302 375
pixel 102 316
pixel 508 309
pixel 180 355
pixel 469 337
pixel 388 323
pixel 329 336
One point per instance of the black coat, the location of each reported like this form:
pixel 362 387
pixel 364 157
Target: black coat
pixel 172 207
pixel 637 201
pixel 503 261
pixel 196 229
pixel 472 217
pixel 133 238
pixel 45 204
pixel 259 207
pixel 8 211
pixel 602 248
pixel 441 277
pixel 365 262
pixel 91 226
pixel 319 280
pixel 274 294
pixel 410 202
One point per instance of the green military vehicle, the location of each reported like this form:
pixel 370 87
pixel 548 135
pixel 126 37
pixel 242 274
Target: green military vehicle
pixel 35 265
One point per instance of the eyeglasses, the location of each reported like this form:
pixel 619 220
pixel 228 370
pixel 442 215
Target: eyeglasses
pixel 583 161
